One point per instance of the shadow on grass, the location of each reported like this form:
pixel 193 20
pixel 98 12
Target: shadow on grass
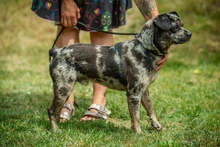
pixel 21 112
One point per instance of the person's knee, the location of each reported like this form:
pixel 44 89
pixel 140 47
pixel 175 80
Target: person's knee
pixel 68 36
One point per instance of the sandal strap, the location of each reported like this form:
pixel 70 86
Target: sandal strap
pixel 67 115
pixel 100 109
pixel 102 112
pixel 68 106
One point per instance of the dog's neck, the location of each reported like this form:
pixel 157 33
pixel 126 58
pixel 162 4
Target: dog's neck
pixel 146 37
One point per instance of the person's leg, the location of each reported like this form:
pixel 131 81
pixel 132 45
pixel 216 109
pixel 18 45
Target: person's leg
pixel 99 90
pixel 67 37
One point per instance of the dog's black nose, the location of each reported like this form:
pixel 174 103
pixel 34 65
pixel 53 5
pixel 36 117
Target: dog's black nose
pixel 189 34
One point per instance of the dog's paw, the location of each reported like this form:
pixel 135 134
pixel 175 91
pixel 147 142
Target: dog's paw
pixel 55 129
pixel 136 129
pixel 156 125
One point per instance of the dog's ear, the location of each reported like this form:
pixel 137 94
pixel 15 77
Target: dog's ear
pixel 174 13
pixel 162 21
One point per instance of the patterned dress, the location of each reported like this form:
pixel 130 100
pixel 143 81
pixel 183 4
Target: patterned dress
pixel 100 14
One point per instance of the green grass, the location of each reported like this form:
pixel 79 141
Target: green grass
pixel 187 104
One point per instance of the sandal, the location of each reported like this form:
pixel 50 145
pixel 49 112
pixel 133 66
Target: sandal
pixel 68 115
pixel 102 112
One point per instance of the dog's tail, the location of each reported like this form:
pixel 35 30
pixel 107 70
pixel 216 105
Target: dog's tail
pixel 52 53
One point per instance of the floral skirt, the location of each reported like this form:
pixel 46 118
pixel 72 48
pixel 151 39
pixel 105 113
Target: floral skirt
pixel 100 14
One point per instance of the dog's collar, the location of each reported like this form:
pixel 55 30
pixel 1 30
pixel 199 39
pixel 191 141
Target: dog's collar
pixel 155 52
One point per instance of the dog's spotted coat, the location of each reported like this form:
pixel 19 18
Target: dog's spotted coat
pixel 128 66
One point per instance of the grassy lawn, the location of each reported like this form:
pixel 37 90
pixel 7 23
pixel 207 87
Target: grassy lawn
pixel 186 95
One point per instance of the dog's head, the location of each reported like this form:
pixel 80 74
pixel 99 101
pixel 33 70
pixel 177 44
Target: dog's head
pixel 165 30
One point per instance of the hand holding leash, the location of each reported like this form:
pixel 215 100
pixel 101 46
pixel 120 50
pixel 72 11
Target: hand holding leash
pixel 70 13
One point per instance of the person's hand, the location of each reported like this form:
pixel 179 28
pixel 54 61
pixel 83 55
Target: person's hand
pixel 162 62
pixel 70 13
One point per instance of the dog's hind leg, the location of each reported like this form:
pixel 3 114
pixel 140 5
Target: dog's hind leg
pixel 146 102
pixel 134 110
pixel 62 87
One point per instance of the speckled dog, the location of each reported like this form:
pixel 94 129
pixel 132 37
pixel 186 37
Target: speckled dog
pixel 128 66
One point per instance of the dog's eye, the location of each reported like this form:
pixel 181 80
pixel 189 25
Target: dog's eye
pixel 174 29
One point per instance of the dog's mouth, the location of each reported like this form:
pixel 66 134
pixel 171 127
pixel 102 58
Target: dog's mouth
pixel 185 38
pixel 182 40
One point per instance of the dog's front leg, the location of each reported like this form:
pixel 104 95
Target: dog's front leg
pixel 146 102
pixel 134 110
